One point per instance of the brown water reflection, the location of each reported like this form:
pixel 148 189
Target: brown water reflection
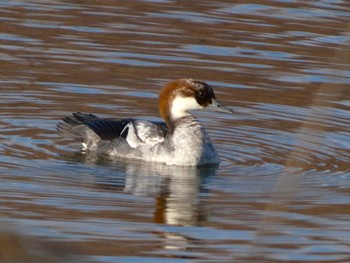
pixel 281 193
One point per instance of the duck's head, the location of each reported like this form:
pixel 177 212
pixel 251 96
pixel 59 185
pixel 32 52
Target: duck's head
pixel 179 97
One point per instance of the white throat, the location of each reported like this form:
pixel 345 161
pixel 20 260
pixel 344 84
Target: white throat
pixel 181 105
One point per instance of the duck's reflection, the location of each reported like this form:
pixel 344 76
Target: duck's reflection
pixel 178 193
pixel 176 189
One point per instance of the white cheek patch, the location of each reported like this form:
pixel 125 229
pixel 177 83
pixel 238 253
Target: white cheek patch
pixel 181 106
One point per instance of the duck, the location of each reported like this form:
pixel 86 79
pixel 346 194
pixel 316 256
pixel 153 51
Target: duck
pixel 180 140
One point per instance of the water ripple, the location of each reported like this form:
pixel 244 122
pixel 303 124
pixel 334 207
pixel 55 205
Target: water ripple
pixel 282 189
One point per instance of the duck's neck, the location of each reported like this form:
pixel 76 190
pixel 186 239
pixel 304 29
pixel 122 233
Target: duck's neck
pixel 188 122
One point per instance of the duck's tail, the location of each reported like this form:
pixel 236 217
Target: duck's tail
pixel 77 128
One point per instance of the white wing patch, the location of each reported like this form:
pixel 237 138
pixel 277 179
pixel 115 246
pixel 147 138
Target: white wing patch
pixel 144 133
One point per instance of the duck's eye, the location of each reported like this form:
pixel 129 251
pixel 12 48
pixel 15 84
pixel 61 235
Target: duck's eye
pixel 202 94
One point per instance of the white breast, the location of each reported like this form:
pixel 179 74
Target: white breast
pixel 192 145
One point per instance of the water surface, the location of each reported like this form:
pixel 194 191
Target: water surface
pixel 281 193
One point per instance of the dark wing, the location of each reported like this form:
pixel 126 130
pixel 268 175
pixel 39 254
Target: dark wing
pixel 76 127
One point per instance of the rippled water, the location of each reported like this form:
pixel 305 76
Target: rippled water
pixel 282 191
